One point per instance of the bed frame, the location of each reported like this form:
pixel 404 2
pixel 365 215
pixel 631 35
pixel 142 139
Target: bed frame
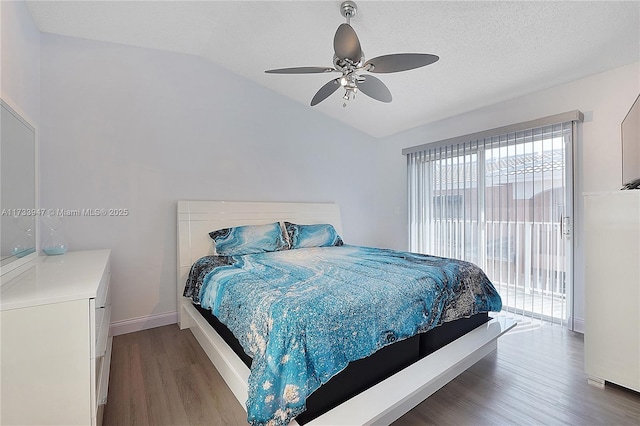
pixel 380 404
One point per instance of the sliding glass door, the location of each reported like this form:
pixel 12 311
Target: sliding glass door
pixel 504 203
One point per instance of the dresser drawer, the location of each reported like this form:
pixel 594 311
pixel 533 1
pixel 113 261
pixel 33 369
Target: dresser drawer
pixel 103 321
pixel 102 369
pixel 100 307
pixel 103 297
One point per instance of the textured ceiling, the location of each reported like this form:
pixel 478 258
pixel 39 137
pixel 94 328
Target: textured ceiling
pixel 489 51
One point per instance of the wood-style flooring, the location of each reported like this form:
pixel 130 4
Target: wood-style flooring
pixel 536 377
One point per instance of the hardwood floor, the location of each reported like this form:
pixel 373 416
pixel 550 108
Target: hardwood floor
pixel 162 377
pixel 536 377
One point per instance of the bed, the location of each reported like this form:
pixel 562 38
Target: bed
pixel 406 372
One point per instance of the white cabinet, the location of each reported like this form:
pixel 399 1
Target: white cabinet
pixel 612 303
pixel 55 345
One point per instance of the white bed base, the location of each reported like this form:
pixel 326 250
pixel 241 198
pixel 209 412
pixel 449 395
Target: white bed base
pixel 379 405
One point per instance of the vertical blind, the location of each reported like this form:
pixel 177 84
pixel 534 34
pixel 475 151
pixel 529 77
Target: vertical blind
pixel 501 199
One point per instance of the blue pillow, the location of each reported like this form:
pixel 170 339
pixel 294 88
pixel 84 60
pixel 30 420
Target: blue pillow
pixel 249 239
pixel 304 236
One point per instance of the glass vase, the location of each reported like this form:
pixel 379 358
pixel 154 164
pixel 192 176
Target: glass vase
pixel 54 243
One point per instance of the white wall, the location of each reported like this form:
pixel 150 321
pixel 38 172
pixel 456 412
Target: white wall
pixel 135 128
pixel 20 60
pixel 604 99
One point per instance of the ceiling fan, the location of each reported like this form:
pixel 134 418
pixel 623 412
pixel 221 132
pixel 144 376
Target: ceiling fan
pixel 349 60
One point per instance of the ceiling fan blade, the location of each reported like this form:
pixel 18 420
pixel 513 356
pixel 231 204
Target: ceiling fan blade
pixel 325 91
pixel 400 62
pixel 346 44
pixel 375 88
pixel 301 70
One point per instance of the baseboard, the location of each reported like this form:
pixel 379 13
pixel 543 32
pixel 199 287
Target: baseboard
pixel 143 323
pixel 578 324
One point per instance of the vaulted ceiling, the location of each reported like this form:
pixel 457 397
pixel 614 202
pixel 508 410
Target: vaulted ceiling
pixel 489 51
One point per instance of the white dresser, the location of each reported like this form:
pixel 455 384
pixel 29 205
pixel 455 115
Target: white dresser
pixel 56 347
pixel 612 273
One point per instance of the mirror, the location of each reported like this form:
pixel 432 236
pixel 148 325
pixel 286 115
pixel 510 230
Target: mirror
pixel 631 144
pixel 18 185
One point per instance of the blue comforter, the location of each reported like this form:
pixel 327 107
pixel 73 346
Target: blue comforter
pixel 304 314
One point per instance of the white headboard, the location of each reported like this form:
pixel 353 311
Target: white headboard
pixel 197 218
